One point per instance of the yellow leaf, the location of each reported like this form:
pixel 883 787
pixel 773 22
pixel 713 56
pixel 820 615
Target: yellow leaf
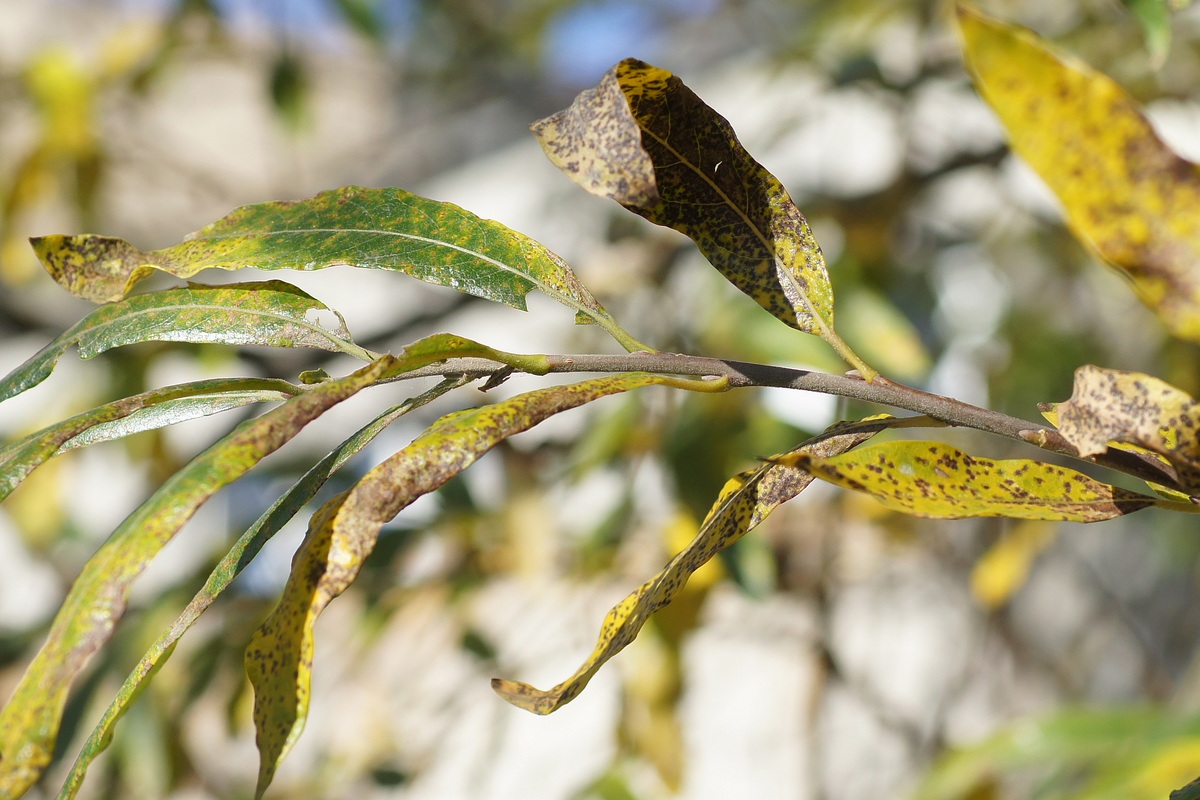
pixel 743 503
pixel 930 479
pixel 1004 568
pixel 1125 193
pixel 1108 405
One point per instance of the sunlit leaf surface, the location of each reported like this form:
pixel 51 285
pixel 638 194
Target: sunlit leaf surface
pixel 929 479
pixel 391 229
pixel 1125 193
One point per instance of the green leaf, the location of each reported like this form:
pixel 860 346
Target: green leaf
pixel 929 479
pixel 266 313
pixel 392 229
pixel 644 139
pixel 140 412
pixel 1126 194
pixel 230 566
pixel 1108 405
pixel 743 503
pixel 343 533
pixel 86 619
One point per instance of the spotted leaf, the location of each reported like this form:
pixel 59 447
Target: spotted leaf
pixel 929 479
pixel 644 139
pixel 1126 194
pixel 1110 406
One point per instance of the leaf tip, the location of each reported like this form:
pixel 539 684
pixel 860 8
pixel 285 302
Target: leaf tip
pixel 522 695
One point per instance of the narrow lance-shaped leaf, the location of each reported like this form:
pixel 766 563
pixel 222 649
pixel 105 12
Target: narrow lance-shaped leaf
pixel 929 479
pixel 1125 193
pixel 140 412
pixel 644 139
pixel 263 313
pixel 1112 406
pixel 230 566
pixel 744 502
pixel 86 619
pixel 392 229
pixel 344 531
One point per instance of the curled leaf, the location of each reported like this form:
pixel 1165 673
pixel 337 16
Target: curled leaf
pixel 743 503
pixel 1108 405
pixel 644 139
pixel 929 479
pixel 343 533
pixel 392 229
pixel 1125 192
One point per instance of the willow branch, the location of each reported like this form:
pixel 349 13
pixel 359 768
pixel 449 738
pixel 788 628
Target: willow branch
pixel 881 391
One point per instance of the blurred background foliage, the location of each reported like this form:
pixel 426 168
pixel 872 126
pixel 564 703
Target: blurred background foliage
pixel 841 651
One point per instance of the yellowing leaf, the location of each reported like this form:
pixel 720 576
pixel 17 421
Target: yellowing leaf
pixel 1125 193
pixel 743 503
pixel 1108 405
pixel 343 533
pixel 644 139
pixel 1004 568
pixel 929 479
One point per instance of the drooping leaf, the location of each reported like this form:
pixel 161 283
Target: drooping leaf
pixel 930 479
pixel 343 533
pixel 644 139
pixel 141 412
pixel 86 619
pixel 230 566
pixel 744 502
pixel 392 229
pixel 264 313
pixel 1126 194
pixel 1108 405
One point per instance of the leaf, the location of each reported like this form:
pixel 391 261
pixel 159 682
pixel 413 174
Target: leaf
pixel 929 479
pixel 86 619
pixel 644 139
pixel 439 243
pixel 140 412
pixel 343 533
pixel 266 313
pixel 1108 405
pixel 743 503
pixel 1125 193
pixel 230 566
